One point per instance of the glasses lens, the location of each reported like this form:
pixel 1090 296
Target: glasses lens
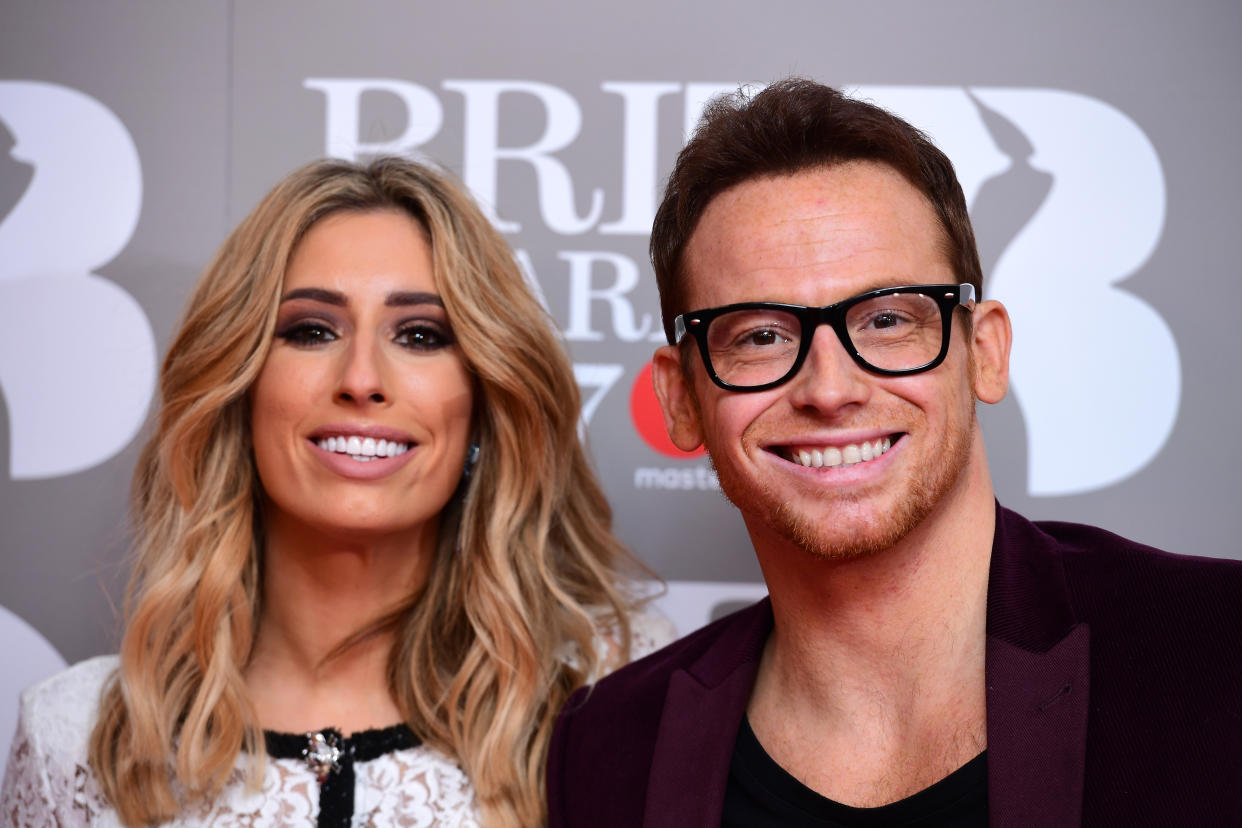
pixel 896 332
pixel 753 347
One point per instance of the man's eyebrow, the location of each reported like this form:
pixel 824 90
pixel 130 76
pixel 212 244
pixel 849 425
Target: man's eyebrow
pixel 401 299
pixel 328 297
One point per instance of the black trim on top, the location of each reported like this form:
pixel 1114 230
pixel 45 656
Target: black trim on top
pixel 336 790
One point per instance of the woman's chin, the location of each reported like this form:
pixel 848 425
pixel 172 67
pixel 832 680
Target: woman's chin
pixel 340 526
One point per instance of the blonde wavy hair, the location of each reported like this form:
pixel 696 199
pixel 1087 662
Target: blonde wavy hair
pixel 526 569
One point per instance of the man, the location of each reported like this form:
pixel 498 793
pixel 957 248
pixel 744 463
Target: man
pixel 926 656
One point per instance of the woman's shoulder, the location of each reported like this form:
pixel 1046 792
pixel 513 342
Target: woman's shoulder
pixel 61 710
pixel 47 780
pixel 649 631
pixel 70 696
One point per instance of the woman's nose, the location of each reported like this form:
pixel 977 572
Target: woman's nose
pixel 362 375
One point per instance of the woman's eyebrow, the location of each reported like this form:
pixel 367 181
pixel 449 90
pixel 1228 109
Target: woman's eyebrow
pixel 393 300
pixel 328 297
pixel 401 299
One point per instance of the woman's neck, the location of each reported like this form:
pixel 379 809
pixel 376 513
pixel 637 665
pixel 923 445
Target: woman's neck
pixel 319 590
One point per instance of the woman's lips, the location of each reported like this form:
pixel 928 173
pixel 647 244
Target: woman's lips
pixel 362 458
pixel 362 449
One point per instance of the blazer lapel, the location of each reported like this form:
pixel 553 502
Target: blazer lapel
pixel 1038 677
pixel 1037 732
pixel 703 709
pixel 1038 672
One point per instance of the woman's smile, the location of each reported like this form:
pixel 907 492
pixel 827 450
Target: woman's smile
pixel 363 443
pixel 353 463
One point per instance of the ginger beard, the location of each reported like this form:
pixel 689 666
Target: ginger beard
pixel 923 493
pixel 924 489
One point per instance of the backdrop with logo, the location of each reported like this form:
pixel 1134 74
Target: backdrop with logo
pixel 1096 144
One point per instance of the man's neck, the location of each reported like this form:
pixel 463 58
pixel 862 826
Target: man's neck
pixel 871 686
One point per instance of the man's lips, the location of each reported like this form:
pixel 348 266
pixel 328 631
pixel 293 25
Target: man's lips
pixel 830 455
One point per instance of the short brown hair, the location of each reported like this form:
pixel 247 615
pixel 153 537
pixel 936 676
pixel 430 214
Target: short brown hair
pixel 793 125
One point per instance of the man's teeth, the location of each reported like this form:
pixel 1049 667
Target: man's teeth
pixel 844 456
pixel 363 449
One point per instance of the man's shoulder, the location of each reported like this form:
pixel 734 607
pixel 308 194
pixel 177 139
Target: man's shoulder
pixel 616 723
pixel 1164 693
pixel 1091 554
pixel 710 653
pixel 627 706
pixel 1139 592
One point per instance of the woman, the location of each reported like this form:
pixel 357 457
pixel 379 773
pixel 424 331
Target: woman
pixel 369 544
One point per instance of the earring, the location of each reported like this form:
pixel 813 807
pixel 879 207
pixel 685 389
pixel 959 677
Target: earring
pixel 472 457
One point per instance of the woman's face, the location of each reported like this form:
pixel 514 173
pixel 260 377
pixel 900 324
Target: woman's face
pixel 361 414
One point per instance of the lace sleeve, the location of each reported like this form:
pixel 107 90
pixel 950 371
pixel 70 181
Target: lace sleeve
pixel 37 791
pixel 648 633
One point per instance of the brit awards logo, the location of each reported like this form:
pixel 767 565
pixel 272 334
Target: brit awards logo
pixel 1067 193
pixel 77 355
pixel 1068 198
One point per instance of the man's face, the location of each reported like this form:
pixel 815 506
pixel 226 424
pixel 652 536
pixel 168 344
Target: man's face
pixel 815 238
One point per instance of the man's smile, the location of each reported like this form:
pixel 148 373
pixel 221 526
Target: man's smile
pixel 826 455
pixel 832 456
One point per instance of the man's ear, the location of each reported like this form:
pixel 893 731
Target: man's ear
pixel 677 400
pixel 991 337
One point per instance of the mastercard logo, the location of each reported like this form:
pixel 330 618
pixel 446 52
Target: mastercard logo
pixel 648 419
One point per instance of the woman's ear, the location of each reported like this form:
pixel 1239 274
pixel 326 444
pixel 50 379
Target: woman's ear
pixel 991 337
pixel 677 399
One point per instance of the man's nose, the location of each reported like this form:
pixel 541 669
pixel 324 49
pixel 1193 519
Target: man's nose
pixel 829 379
pixel 362 374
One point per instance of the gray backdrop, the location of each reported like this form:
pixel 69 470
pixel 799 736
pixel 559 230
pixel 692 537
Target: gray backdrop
pixel 1096 142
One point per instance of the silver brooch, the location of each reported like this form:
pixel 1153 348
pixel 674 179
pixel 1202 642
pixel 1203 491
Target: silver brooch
pixel 322 754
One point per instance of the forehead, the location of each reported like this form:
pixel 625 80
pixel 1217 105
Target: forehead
pixel 356 251
pixel 814 237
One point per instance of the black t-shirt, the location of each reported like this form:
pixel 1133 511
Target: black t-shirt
pixel 762 793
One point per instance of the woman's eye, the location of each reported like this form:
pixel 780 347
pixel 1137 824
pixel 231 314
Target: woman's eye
pixel 307 333
pixel 423 337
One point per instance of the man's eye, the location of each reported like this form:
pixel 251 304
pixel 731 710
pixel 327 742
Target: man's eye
pixel 423 338
pixel 307 333
pixel 765 337
pixel 887 320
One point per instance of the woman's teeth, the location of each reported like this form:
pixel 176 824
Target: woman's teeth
pixel 833 456
pixel 362 449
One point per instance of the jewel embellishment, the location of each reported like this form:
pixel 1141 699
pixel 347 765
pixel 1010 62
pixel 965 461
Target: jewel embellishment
pixel 322 754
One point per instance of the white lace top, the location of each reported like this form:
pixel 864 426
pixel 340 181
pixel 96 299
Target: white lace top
pixel 48 781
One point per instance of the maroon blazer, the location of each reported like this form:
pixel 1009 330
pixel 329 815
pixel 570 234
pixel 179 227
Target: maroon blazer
pixel 1114 697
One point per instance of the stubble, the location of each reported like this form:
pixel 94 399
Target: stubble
pixel 925 488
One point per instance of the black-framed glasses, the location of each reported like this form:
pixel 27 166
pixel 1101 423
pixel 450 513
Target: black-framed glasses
pixel 893 331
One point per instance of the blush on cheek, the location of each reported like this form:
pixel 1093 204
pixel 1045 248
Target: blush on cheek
pixel 456 406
